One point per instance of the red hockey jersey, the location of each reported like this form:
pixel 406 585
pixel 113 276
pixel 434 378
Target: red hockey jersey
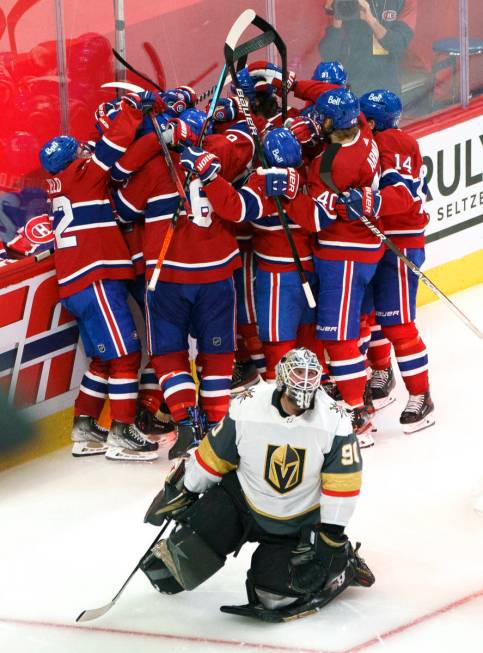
pixel 88 243
pixel 269 242
pixel 403 170
pixel 355 164
pixel 196 254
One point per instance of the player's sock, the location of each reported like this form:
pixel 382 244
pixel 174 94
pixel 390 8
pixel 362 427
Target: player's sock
pixel 93 389
pixel 215 384
pixel 273 353
pixel 123 387
pixel 348 369
pixel 379 351
pixel 253 346
pixel 176 381
pixel 411 356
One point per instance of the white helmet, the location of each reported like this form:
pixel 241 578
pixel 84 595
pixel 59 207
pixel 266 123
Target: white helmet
pixel 298 373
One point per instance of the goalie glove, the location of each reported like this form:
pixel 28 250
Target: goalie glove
pixel 280 182
pixel 202 163
pixel 353 203
pixel 268 77
pixel 172 500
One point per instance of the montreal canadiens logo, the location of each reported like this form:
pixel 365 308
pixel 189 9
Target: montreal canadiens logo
pixel 38 230
pixel 389 15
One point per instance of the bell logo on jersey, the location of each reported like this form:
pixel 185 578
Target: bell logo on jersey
pixel 284 467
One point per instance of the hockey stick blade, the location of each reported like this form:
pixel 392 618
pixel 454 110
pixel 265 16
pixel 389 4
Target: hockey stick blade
pixel 239 26
pixel 125 85
pixel 95 613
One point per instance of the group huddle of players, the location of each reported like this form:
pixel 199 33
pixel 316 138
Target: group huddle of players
pixel 228 278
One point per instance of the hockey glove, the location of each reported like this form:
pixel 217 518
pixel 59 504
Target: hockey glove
pixel 318 559
pixel 305 130
pixel 179 99
pixel 104 114
pixel 178 133
pixel 270 77
pixel 280 182
pixel 172 500
pixel 226 110
pixel 353 203
pixel 189 95
pixel 145 101
pixel 204 164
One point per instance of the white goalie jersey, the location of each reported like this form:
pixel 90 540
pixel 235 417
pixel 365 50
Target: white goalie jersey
pixel 293 470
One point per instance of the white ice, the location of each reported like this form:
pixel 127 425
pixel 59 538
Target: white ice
pixel 71 531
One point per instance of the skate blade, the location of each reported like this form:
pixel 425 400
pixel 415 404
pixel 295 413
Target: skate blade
pixel 425 423
pixel 382 403
pixel 365 441
pixel 120 453
pixel 80 449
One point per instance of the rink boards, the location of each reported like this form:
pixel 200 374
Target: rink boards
pixel 42 361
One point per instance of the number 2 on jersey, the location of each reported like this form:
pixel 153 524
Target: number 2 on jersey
pixel 63 216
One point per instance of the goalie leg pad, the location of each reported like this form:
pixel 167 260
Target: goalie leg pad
pixel 187 556
pixel 159 575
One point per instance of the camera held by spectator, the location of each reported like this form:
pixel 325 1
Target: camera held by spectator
pixel 346 9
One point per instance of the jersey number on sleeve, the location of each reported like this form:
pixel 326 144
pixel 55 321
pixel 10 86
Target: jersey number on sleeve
pixel 63 216
pixel 200 204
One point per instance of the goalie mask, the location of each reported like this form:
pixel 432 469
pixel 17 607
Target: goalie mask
pixel 298 373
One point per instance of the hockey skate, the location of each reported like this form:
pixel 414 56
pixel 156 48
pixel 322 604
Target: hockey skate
pixel 89 439
pixel 418 414
pixel 189 433
pixel 362 427
pixel 382 384
pixel 356 573
pixel 126 442
pixel 368 402
pixel 155 427
pixel 332 390
pixel 245 374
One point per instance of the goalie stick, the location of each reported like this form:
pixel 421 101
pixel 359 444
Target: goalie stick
pixel 95 613
pixel 326 177
pixel 232 54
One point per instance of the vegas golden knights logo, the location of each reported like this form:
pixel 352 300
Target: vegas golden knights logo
pixel 284 467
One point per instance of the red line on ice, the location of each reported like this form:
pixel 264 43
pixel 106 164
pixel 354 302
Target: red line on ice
pixel 261 646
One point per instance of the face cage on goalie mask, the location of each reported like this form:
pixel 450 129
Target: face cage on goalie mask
pixel 301 388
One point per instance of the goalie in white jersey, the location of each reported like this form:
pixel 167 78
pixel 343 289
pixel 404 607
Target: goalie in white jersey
pixel 283 469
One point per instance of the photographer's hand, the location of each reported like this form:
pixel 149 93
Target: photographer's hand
pixel 368 17
pixel 329 9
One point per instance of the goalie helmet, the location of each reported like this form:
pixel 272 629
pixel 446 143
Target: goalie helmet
pixel 298 373
pixel 282 149
pixel 57 153
pixel 332 72
pixel 341 105
pixel 382 106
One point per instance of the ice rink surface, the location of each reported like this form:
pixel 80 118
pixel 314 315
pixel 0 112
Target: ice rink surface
pixel 71 531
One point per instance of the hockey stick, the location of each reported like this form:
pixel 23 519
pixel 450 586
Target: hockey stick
pixel 202 96
pixel 95 613
pixel 167 157
pixel 232 54
pixel 237 29
pixel 326 177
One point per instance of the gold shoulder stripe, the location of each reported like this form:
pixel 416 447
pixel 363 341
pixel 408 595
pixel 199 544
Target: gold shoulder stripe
pixel 212 461
pixel 341 484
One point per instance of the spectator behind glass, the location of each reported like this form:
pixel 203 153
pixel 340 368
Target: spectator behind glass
pixel 372 44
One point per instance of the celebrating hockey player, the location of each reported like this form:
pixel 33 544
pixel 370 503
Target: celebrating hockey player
pixel 92 263
pixel 394 286
pixel 348 252
pixel 282 469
